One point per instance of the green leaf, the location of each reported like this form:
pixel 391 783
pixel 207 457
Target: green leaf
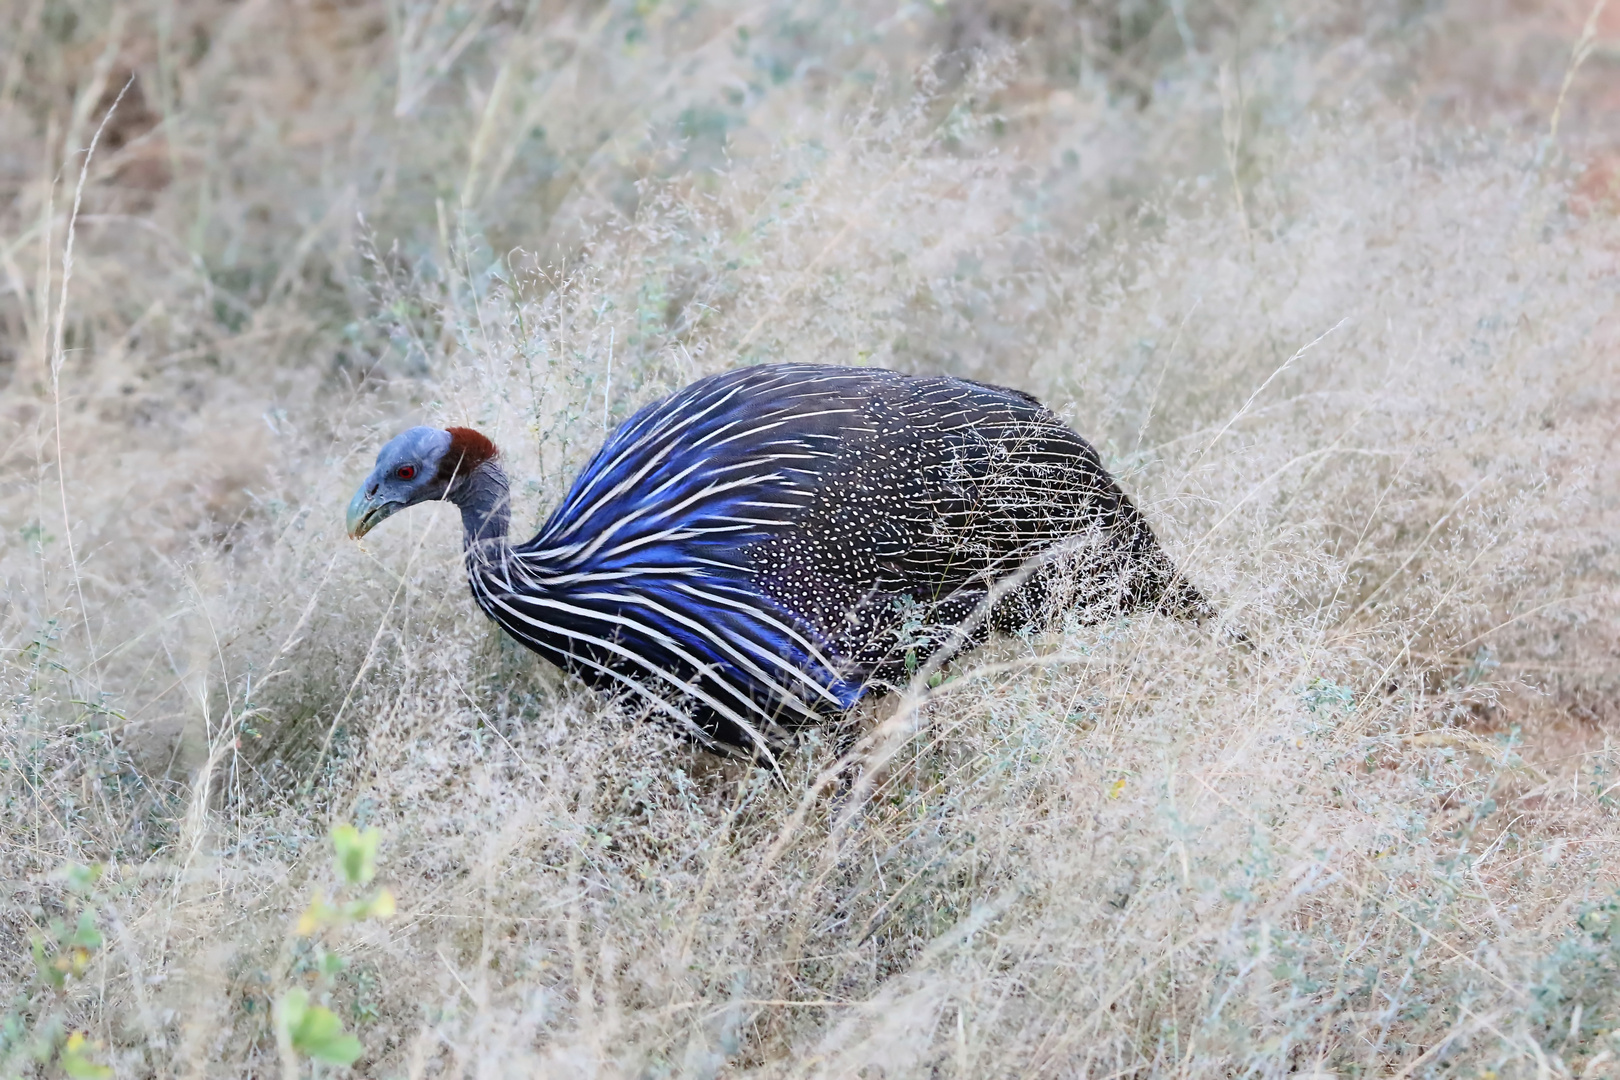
pixel 356 853
pixel 291 1008
pixel 378 906
pixel 48 972
pixel 315 1031
pixel 76 1062
pixel 326 1040
pixel 85 935
pixel 81 879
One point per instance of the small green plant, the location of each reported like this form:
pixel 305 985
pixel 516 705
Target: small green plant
pixel 305 1026
pixel 355 859
pixel 35 1025
pixel 1325 695
pixel 313 1031
pixel 75 1059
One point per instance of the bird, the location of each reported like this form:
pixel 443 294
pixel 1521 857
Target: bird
pixel 762 549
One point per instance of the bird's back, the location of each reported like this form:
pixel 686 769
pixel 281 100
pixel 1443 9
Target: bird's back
pixel 757 549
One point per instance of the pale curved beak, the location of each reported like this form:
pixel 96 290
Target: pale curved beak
pixel 366 510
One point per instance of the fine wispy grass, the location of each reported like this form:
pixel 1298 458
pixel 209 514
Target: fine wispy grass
pixel 1331 286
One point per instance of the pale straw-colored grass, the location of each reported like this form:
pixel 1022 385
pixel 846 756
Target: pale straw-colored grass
pixel 1332 303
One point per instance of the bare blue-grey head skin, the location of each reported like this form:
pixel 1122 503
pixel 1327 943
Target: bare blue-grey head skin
pixel 407 472
pixel 456 464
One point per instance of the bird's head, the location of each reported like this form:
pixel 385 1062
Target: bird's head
pixel 417 465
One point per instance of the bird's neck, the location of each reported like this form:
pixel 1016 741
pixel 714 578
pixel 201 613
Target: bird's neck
pixel 486 510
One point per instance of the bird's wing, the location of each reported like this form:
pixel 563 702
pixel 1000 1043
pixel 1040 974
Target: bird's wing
pixel 707 470
pixel 943 484
pixel 944 488
pixel 646 565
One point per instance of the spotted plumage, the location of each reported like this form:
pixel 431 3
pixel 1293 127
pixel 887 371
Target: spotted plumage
pixel 761 549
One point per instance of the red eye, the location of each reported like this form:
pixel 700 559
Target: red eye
pixel 406 472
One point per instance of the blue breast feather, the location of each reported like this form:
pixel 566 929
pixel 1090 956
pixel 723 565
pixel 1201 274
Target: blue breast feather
pixel 644 567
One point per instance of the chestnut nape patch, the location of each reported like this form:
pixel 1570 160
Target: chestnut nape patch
pixel 468 450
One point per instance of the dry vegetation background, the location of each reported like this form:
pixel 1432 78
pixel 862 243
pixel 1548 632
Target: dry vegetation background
pixel 1332 285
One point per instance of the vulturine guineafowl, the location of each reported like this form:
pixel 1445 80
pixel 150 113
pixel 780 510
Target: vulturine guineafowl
pixel 766 546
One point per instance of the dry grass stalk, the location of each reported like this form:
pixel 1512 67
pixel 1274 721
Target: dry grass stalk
pixel 1356 356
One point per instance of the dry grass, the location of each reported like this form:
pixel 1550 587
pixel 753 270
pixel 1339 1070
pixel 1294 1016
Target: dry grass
pixel 1316 279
